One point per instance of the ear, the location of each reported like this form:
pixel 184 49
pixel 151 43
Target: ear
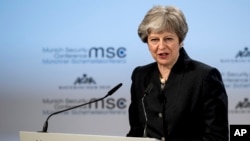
pixel 181 44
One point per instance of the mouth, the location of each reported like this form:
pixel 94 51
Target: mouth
pixel 163 54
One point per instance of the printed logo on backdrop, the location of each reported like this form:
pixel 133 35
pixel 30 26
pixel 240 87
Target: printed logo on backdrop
pixel 92 55
pixel 105 107
pixel 242 56
pixel 236 80
pixel 242 107
pixel 84 81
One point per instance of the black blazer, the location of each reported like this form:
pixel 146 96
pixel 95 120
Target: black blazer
pixel 193 106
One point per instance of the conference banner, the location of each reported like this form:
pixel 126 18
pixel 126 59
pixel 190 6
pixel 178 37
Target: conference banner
pixel 59 54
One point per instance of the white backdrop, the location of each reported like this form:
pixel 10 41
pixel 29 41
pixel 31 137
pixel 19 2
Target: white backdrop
pixel 60 53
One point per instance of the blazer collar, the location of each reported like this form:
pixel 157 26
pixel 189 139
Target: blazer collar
pixel 182 62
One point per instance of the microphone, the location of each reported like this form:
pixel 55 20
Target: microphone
pixel 45 126
pixel 146 92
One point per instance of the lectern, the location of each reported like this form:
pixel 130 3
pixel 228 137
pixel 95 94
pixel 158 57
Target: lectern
pixel 38 136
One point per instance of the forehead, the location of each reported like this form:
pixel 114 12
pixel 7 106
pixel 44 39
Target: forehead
pixel 165 33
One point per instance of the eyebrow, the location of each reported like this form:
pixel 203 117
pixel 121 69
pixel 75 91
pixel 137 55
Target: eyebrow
pixel 154 36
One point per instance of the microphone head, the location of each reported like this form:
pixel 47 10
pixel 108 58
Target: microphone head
pixel 114 89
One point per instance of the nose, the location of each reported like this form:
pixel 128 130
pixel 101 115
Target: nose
pixel 162 44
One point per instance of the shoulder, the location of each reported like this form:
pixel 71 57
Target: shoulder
pixel 188 65
pixel 203 70
pixel 199 66
pixel 146 68
pixel 144 71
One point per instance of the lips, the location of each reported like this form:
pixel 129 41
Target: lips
pixel 163 54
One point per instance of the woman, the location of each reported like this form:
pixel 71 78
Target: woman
pixel 175 98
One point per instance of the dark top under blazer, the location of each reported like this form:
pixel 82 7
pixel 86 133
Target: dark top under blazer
pixel 192 107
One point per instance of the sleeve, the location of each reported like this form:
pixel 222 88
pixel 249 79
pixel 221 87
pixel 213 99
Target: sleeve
pixel 215 108
pixel 135 127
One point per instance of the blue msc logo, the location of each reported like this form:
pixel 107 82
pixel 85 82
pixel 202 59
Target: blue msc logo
pixel 99 55
pixel 110 52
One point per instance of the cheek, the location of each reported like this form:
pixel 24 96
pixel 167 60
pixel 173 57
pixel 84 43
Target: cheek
pixel 152 51
pixel 175 47
pixel 151 48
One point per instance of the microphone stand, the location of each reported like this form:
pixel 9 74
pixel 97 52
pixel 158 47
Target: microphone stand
pixel 146 92
pixel 146 117
pixel 45 126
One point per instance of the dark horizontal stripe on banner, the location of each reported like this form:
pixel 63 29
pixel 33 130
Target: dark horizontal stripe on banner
pixel 239 132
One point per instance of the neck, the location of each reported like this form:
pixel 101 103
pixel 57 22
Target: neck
pixel 165 70
pixel 164 73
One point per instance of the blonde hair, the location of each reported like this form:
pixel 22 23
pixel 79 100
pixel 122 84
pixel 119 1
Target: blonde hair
pixel 163 18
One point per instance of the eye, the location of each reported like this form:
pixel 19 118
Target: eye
pixel 168 39
pixel 154 40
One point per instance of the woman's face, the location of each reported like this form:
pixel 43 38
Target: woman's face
pixel 164 47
